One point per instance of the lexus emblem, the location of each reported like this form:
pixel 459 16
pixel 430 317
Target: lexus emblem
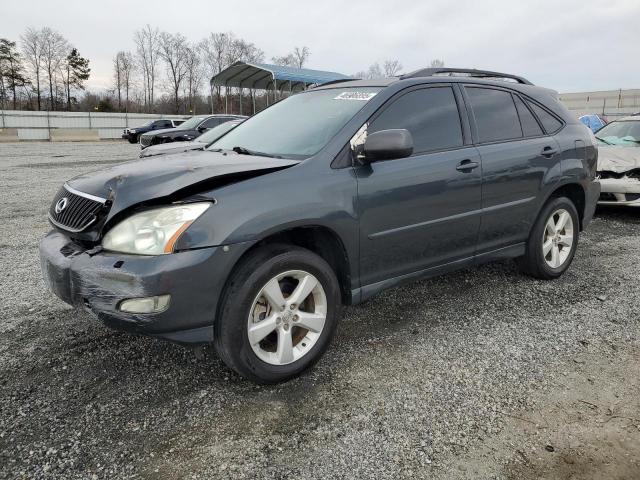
pixel 61 205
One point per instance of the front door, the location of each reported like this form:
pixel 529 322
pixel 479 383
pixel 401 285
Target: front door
pixel 424 210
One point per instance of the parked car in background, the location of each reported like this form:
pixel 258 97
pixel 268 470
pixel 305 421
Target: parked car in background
pixel 189 130
pixel 325 198
pixel 619 162
pixel 593 121
pixel 133 134
pixel 199 143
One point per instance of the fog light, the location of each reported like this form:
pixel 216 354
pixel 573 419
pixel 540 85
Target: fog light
pixel 155 304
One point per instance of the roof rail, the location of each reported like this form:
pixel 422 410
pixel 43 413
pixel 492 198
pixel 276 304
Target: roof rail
pixel 464 72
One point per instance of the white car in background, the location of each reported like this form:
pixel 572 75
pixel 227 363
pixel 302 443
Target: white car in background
pixel 199 143
pixel 619 162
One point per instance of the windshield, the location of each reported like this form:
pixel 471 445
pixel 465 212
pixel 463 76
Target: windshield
pixel 625 133
pixel 190 124
pixel 299 126
pixel 216 132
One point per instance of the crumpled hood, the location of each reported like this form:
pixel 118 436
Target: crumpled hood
pixel 146 179
pixel 614 158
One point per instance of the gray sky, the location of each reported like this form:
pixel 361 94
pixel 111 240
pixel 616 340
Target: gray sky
pixel 567 45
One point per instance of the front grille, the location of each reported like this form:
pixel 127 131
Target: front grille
pixel 145 140
pixel 79 209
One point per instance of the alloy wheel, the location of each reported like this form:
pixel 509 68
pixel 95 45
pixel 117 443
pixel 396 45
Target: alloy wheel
pixel 287 317
pixel 557 239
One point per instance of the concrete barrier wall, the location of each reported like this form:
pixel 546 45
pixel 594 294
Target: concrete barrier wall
pixel 70 126
pixel 609 103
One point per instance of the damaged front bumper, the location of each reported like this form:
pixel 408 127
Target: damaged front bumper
pixel 101 281
pixel 620 191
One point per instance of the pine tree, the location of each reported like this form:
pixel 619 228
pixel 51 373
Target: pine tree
pixel 76 73
pixel 12 73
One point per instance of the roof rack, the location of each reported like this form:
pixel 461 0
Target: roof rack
pixel 464 72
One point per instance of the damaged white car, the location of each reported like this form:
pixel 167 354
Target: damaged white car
pixel 619 162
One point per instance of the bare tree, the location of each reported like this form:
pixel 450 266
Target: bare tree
pixel 194 75
pixel 117 77
pixel 173 50
pixel 215 53
pixel 147 44
pixel 220 50
pixel 128 67
pixel 32 49
pixel 297 58
pixel 301 55
pixel 374 71
pixel 244 51
pixel 54 51
pixel 436 63
pixel 391 68
pixel 123 70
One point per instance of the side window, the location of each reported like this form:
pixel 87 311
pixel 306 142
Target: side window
pixel 495 114
pixel 530 126
pixel 430 114
pixel 550 123
pixel 210 123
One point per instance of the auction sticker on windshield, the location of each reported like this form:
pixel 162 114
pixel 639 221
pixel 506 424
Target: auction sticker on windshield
pixel 363 96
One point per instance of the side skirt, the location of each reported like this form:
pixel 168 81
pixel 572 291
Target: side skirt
pixel 363 294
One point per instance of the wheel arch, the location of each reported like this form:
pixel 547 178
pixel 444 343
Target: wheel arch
pixel 573 191
pixel 321 240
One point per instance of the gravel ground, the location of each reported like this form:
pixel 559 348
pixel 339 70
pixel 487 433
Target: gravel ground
pixel 476 374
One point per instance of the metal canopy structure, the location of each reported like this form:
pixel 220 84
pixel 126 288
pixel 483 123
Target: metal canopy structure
pixel 263 76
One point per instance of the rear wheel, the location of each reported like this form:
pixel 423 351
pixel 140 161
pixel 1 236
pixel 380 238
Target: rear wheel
pixel 553 240
pixel 279 314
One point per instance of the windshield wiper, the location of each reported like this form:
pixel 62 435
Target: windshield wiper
pixel 246 151
pixel 604 141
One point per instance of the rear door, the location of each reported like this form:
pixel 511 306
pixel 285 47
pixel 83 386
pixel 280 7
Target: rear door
pixel 517 157
pixel 423 210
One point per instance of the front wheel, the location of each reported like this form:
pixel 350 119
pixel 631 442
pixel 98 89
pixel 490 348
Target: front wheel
pixel 279 313
pixel 553 240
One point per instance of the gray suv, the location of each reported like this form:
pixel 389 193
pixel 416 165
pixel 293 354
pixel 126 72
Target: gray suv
pixel 322 200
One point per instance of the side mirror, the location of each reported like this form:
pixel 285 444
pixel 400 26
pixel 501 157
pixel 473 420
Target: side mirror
pixel 387 145
pixel 202 129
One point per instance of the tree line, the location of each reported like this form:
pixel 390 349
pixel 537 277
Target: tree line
pixel 44 72
pixel 163 72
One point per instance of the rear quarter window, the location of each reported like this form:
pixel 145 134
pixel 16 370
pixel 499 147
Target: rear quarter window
pixel 550 123
pixel 530 126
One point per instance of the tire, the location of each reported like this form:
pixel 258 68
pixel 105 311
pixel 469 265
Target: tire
pixel 133 139
pixel 265 362
pixel 543 262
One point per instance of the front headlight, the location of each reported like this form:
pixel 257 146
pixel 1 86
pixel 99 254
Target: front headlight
pixel 153 232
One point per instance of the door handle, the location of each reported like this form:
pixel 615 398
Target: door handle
pixel 467 165
pixel 549 151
